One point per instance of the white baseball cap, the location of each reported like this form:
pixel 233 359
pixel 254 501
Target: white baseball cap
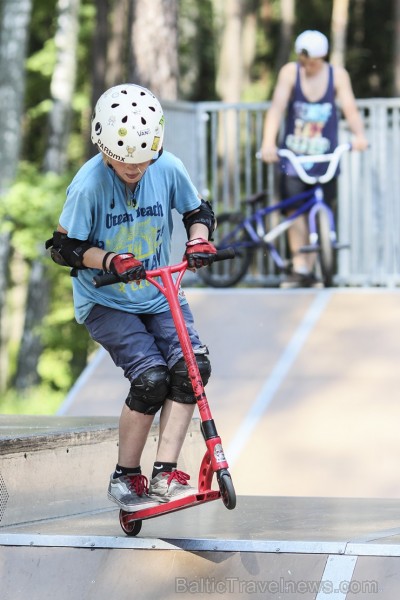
pixel 313 43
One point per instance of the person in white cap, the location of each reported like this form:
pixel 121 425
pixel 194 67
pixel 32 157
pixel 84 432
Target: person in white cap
pixel 307 91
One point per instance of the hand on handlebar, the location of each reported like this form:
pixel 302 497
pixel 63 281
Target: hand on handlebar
pixel 269 154
pixel 199 253
pixel 127 268
pixel 359 142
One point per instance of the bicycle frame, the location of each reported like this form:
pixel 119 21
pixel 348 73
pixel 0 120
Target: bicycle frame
pixel 311 201
pixel 245 234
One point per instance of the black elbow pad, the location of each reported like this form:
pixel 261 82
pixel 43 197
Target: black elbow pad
pixel 204 214
pixel 67 252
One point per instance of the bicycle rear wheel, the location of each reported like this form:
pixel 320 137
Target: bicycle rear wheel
pixel 228 273
pixel 326 251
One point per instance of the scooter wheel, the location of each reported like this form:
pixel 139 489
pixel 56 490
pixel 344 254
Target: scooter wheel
pixel 227 490
pixel 131 528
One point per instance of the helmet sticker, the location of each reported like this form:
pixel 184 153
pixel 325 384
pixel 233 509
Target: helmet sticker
pixel 130 151
pixel 155 144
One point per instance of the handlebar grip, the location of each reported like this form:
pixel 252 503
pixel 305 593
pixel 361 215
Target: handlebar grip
pixel 106 279
pixel 225 254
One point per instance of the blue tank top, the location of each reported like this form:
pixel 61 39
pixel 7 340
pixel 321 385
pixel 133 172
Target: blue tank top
pixel 311 127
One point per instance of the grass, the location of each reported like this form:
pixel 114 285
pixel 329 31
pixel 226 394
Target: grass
pixel 37 401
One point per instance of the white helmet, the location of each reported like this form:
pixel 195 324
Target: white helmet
pixel 128 124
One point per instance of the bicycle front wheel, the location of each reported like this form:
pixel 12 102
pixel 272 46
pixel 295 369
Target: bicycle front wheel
pixel 227 273
pixel 326 252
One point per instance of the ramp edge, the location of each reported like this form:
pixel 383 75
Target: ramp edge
pixel 201 545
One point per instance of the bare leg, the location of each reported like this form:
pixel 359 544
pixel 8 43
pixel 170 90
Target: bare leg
pixel 174 422
pixel 298 236
pixel 134 428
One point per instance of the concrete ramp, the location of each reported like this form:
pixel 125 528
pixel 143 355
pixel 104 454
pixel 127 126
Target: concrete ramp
pixel 60 538
pixel 305 397
pixel 265 548
pixel 54 467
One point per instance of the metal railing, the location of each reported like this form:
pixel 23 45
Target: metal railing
pixel 218 142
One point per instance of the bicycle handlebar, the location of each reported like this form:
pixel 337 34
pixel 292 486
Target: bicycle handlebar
pixel 296 160
pixel 109 278
pixel 332 159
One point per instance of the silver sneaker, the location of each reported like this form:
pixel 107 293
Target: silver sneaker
pixel 130 492
pixel 170 486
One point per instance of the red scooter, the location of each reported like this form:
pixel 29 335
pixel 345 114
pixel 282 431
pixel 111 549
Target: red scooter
pixel 214 460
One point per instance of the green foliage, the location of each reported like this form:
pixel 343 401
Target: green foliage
pixel 41 400
pixel 197 51
pixel 41 63
pixel 63 339
pixel 39 69
pixel 369 61
pixel 313 14
pixel 54 368
pixel 31 208
pixel 30 211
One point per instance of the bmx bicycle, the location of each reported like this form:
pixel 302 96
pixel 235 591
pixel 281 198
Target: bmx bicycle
pixel 246 234
pixel 214 461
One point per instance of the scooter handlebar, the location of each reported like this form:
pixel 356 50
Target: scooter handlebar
pixel 110 278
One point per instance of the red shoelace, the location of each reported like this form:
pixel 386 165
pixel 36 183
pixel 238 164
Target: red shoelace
pixel 180 476
pixel 139 484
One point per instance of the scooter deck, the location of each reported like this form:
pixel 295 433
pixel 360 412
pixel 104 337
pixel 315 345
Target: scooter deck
pixel 171 506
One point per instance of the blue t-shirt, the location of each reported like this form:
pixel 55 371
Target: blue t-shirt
pixel 311 127
pixel 99 208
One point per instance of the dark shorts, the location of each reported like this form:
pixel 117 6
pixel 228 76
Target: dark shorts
pixel 291 186
pixel 139 342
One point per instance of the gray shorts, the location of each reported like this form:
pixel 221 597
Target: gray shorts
pixel 139 342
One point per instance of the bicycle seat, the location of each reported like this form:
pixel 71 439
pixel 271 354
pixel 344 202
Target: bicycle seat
pixel 259 197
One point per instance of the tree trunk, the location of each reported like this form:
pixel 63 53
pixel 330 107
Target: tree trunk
pixel 396 52
pixel 62 90
pixel 154 47
pixel 117 49
pixel 14 30
pixel 249 37
pixel 31 347
pixel 286 33
pixel 340 17
pixel 99 60
pixel 5 252
pixel 62 86
pixel 229 77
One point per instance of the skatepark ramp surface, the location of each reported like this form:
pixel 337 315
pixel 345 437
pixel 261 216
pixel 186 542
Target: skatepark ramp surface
pixel 304 394
pixel 60 538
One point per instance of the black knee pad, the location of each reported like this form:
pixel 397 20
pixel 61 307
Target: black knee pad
pixel 149 390
pixel 181 387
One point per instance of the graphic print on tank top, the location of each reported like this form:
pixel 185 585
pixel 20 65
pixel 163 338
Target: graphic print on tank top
pixel 311 127
pixel 309 123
